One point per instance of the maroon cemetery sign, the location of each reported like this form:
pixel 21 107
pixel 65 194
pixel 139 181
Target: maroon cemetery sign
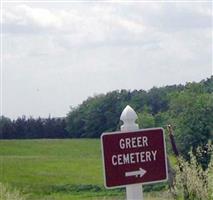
pixel 134 157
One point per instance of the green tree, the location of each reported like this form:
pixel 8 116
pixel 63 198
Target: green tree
pixel 146 120
pixel 6 128
pixel 192 112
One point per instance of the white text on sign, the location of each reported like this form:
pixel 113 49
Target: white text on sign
pixel 136 157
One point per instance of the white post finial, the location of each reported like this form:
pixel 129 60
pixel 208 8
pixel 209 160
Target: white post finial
pixel 129 116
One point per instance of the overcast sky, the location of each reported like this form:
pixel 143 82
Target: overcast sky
pixel 55 55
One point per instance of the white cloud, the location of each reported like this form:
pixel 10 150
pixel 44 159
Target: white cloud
pixel 56 56
pixel 24 15
pixel 85 23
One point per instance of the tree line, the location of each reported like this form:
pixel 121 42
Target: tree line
pixel 189 108
pixel 30 128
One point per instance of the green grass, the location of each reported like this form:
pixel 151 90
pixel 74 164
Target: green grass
pixel 55 169
pixel 52 167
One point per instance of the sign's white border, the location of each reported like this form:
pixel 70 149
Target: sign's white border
pixel 135 131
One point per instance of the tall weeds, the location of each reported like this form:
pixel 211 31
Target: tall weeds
pixel 192 181
pixel 7 194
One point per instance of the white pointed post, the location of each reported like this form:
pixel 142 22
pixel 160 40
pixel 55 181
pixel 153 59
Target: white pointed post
pixel 129 116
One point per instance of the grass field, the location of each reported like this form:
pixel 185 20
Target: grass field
pixel 56 169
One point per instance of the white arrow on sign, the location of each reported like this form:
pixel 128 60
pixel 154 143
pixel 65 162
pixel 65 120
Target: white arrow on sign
pixel 137 173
